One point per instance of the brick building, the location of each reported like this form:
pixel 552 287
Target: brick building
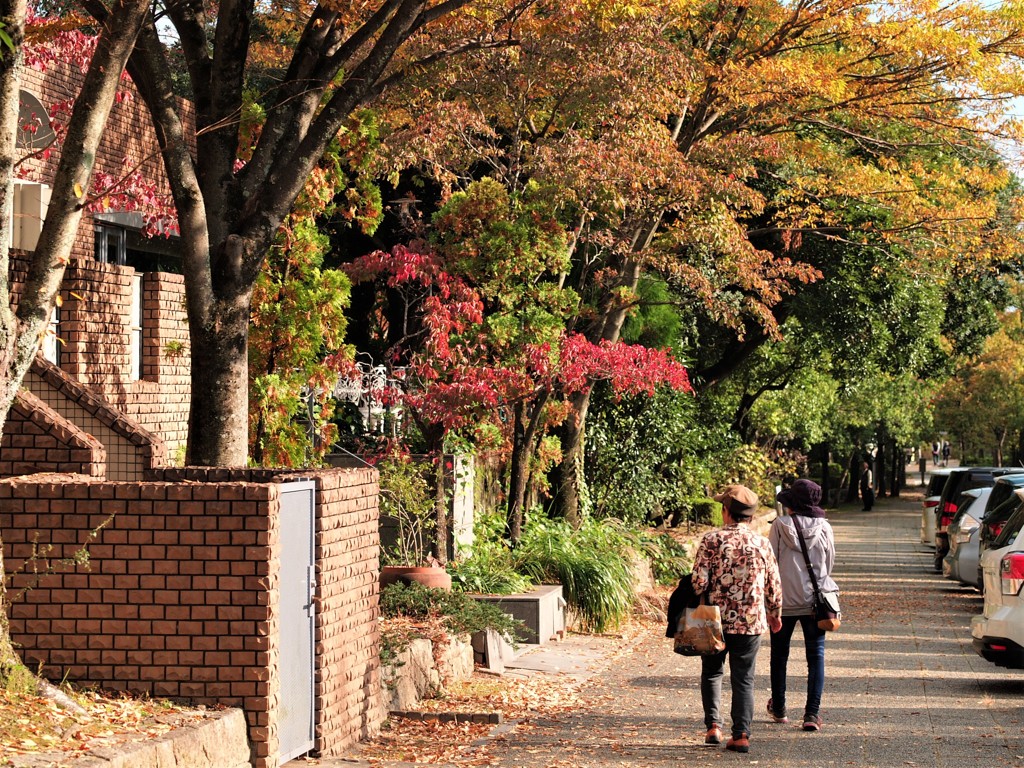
pixel 116 363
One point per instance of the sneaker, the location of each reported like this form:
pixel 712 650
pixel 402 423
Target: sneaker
pixel 739 743
pixel 714 735
pixel 812 723
pixel 776 718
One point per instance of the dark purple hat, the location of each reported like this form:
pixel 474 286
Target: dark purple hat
pixel 803 497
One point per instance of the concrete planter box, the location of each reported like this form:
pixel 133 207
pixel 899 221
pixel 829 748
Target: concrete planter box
pixel 542 611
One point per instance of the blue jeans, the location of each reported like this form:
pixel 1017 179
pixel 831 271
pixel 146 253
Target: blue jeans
pixel 814 648
pixel 742 653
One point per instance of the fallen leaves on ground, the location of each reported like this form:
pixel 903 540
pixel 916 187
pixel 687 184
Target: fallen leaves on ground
pixel 520 700
pixel 31 725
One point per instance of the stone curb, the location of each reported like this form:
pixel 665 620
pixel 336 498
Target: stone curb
pixel 494 718
pixel 219 740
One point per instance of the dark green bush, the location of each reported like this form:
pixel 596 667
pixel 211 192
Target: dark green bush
pixel 706 512
pixel 457 610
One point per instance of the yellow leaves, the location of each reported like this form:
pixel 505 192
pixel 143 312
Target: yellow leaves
pixel 79 192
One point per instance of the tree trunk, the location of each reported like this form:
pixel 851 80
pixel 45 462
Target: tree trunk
pixel 897 463
pixel 9 660
pixel 568 474
pixel 526 423
pixel 826 473
pixel 879 467
pixel 218 421
pixel 440 509
pixel 853 491
pixel 517 477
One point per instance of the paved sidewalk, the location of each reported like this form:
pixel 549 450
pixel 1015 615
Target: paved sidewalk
pixel 903 687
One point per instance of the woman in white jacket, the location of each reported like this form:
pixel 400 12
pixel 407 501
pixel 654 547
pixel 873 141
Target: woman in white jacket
pixel 800 504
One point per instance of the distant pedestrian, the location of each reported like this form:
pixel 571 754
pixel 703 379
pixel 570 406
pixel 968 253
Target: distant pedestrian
pixel 945 453
pixel 803 518
pixel 736 569
pixel 867 487
pixel 935 454
pixel 922 464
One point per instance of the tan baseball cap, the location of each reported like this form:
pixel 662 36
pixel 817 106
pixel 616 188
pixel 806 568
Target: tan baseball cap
pixel 738 499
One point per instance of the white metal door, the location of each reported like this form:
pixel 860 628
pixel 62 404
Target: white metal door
pixel 297 621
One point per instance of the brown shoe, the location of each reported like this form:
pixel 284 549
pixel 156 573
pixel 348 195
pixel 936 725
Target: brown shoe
pixel 739 743
pixel 714 735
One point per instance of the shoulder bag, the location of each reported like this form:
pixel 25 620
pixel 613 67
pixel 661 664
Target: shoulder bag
pixel 700 631
pixel 826 604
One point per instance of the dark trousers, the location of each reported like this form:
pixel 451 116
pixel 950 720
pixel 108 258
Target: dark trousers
pixel 814 650
pixel 868 494
pixel 742 653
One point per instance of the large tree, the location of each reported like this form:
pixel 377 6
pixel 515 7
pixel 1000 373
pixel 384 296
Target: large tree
pixel 710 142
pixel 239 152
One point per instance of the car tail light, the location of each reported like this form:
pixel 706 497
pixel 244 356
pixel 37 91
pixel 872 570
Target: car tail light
pixel 968 525
pixel 1011 573
pixel 931 504
pixel 946 519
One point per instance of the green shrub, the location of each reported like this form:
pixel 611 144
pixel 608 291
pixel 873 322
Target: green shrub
pixel 458 612
pixel 491 569
pixel 669 558
pixel 592 564
pixel 706 512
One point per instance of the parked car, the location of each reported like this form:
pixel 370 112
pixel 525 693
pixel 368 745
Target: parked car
pixel 1004 513
pixel 959 480
pixel 961 564
pixel 998 633
pixel 932 494
pixel 1001 504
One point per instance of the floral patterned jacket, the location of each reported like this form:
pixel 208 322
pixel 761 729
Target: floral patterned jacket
pixel 737 569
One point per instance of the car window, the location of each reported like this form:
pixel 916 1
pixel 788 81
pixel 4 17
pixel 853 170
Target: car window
pixel 1009 533
pixel 935 485
pixel 962 480
pixel 964 501
pixel 1001 491
pixel 1003 509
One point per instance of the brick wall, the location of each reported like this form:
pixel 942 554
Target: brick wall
pixel 94 330
pixel 95 326
pixel 130 450
pixel 180 598
pixel 38 439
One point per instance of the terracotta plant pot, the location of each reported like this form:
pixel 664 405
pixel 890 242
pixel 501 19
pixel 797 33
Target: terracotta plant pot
pixel 428 576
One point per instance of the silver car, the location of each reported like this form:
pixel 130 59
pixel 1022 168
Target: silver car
pixel 961 563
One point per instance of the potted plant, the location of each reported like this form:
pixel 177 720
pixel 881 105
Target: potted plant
pixel 408 525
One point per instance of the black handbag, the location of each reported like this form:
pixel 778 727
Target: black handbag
pixel 826 604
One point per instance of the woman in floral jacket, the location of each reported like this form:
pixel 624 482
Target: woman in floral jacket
pixel 735 569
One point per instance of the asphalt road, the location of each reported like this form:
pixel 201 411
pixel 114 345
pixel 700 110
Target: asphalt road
pixel 903 686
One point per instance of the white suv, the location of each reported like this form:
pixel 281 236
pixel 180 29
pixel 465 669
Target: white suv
pixel 999 632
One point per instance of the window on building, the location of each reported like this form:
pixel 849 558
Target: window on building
pixel 120 240
pixel 51 341
pixel 135 319
pixel 111 244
